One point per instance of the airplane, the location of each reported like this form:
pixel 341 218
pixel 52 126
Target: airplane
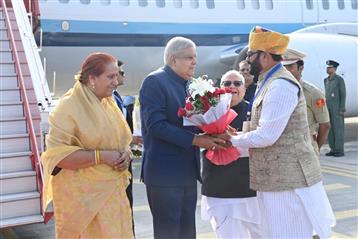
pixel 333 41
pixel 137 31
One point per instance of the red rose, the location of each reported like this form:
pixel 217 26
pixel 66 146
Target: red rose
pixel 181 112
pixel 189 106
pixel 217 91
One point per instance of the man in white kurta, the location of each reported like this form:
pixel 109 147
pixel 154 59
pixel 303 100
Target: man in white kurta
pixel 284 169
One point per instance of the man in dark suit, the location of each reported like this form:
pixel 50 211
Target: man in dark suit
pixel 127 113
pixel 171 161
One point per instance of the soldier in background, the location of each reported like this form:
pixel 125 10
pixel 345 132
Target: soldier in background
pixel 336 102
pixel 317 112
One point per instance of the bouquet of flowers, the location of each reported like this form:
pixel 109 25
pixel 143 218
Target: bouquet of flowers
pixel 208 108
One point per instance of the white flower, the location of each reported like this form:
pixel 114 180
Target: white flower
pixel 200 86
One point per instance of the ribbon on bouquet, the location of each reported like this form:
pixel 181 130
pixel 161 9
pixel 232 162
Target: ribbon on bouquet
pixel 221 156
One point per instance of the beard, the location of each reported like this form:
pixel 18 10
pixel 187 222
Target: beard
pixel 256 67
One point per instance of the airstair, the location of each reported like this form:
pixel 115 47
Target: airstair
pixel 23 89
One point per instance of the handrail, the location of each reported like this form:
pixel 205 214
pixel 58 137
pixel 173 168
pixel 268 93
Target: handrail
pixel 33 140
pixel 36 8
pixel 31 50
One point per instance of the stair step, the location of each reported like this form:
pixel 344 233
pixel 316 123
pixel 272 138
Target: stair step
pixel 7 68
pixel 14 143
pixel 13 162
pixel 6 36
pixel 4 44
pixel 18 196
pixel 11 222
pixel 18 142
pixel 3 34
pixel 9 95
pixel 13 126
pixel 11 109
pixel 2 23
pixel 20 205
pixel 7 74
pixel 10 11
pixel 9 81
pixel 17 125
pixel 6 56
pixel 18 182
pixel 15 109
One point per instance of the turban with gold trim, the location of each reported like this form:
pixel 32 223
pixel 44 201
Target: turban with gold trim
pixel 262 39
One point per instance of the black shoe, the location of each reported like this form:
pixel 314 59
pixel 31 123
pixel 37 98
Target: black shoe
pixel 338 155
pixel 330 153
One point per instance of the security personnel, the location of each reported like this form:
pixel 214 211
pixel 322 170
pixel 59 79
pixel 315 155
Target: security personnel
pixel 336 102
pixel 317 112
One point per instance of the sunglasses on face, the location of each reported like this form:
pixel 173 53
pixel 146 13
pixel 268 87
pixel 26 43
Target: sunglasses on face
pixel 244 69
pixel 121 73
pixel 235 83
pixel 251 53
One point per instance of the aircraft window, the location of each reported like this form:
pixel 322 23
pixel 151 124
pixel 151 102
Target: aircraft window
pixel 124 3
pixel 241 4
pixel 255 4
pixel 105 2
pixel 194 3
pixel 325 4
pixel 354 4
pixel 340 4
pixel 63 1
pixel 143 3
pixel 160 3
pixel 210 4
pixel 178 3
pixel 269 4
pixel 309 4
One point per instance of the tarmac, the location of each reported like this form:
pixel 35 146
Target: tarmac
pixel 340 176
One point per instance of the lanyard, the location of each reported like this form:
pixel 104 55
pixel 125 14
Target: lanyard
pixel 271 72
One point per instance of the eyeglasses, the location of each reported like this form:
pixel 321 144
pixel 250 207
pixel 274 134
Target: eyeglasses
pixel 121 73
pixel 244 69
pixel 229 83
pixel 251 53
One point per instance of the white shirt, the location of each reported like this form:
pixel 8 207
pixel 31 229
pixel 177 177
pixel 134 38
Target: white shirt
pixel 277 109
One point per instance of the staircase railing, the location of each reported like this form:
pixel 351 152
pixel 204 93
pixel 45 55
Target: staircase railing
pixel 32 6
pixel 38 75
pixel 35 158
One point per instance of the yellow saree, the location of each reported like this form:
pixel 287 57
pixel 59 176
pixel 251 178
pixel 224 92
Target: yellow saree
pixel 89 202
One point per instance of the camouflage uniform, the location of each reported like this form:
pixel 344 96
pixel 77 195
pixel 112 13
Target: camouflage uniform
pixel 317 111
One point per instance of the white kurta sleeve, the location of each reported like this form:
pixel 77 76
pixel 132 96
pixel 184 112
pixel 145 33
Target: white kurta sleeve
pixel 277 108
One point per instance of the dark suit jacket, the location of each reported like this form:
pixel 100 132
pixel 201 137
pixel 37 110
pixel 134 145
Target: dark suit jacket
pixel 232 180
pixel 169 159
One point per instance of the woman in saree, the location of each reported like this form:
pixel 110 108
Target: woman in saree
pixel 87 156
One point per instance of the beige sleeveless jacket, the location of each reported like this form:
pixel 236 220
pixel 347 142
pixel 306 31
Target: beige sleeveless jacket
pixel 290 162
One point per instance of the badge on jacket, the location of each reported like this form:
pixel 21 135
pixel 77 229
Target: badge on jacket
pixel 320 103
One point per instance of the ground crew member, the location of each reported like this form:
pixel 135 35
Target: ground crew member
pixel 336 103
pixel 317 112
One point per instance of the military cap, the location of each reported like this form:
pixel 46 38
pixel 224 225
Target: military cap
pixel 262 39
pixel 292 56
pixel 331 63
